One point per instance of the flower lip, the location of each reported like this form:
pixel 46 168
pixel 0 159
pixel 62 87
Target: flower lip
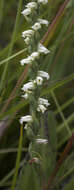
pixel 36 26
pixel 27 118
pixel 39 80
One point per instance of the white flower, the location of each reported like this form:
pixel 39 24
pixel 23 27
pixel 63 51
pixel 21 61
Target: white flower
pixel 43 74
pixel 36 26
pixel 35 55
pixel 41 141
pixel 43 21
pixel 43 1
pixel 27 33
pixel 43 102
pixel 27 118
pixel 26 12
pixel 28 86
pixel 27 60
pixel 42 49
pixel 39 80
pixel 32 5
pixel 41 108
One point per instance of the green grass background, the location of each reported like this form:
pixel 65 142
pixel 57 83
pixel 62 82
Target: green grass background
pixel 59 90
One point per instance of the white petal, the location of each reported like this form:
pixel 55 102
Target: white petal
pixel 41 108
pixel 27 60
pixel 41 141
pixel 27 33
pixel 26 12
pixel 27 40
pixel 43 1
pixel 42 49
pixel 43 102
pixel 25 96
pixel 27 118
pixel 31 5
pixel 26 126
pixel 43 21
pixel 35 55
pixel 43 74
pixel 28 86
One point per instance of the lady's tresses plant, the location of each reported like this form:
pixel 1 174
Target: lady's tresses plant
pixel 33 88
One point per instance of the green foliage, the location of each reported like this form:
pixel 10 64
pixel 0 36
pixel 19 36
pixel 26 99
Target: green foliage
pixel 28 179
pixel 70 185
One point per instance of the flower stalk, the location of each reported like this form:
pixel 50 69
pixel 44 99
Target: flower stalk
pixel 32 89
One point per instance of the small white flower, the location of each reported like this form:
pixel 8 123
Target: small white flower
pixel 26 12
pixel 27 60
pixel 35 55
pixel 39 80
pixel 41 141
pixel 27 33
pixel 27 118
pixel 43 74
pixel 42 49
pixel 43 102
pixel 43 21
pixel 36 26
pixel 43 1
pixel 28 86
pixel 32 5
pixel 41 108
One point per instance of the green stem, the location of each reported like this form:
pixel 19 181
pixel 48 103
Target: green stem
pixel 12 56
pixel 17 160
pixel 11 44
pixel 1 11
pixel 61 113
pixel 70 118
pixel 10 174
pixel 64 106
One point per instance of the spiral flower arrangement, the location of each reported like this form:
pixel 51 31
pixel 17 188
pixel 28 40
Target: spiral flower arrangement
pixel 37 77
